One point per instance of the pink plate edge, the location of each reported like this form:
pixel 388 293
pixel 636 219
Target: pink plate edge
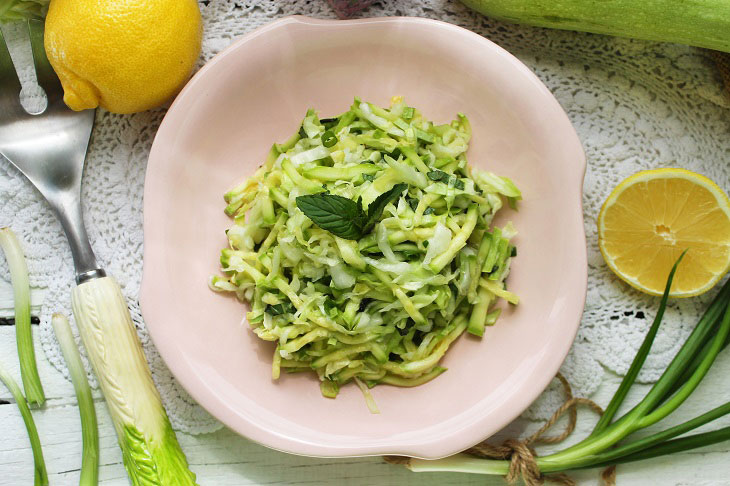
pixel 154 314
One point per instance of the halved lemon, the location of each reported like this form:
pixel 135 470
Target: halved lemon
pixel 652 217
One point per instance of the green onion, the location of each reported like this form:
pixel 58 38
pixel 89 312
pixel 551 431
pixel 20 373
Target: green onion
pixel 328 123
pixel 612 441
pixel 637 363
pixel 329 139
pixel 21 293
pixel 89 430
pixel 41 476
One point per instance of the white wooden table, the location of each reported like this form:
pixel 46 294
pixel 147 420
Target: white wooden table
pixel 224 458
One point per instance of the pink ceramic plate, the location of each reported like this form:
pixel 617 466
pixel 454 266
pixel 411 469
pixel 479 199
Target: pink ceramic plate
pixel 255 93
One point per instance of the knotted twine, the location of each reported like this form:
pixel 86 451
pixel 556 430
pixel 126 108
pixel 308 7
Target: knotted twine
pixel 523 458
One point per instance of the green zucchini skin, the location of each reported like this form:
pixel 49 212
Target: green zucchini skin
pixel 702 23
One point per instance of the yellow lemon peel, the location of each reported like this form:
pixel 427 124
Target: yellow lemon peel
pixel 125 56
pixel 654 215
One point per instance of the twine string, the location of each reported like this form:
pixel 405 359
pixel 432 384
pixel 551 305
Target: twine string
pixel 523 458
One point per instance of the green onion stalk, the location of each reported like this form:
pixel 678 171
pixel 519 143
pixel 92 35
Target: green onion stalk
pixel 41 476
pixel 679 380
pixel 21 293
pixel 89 430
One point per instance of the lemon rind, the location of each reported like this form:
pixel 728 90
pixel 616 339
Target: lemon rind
pixel 653 174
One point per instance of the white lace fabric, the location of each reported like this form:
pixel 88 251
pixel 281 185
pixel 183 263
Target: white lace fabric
pixel 635 105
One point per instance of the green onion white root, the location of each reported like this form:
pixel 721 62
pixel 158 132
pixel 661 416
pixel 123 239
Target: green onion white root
pixel 89 430
pixel 21 293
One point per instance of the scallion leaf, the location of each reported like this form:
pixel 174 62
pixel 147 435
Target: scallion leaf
pixel 21 293
pixel 89 430
pixel 41 475
pixel 329 123
pixel 329 139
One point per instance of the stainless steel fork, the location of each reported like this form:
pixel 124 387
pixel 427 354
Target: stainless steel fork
pixel 50 149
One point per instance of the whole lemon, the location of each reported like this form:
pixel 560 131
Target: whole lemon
pixel 123 55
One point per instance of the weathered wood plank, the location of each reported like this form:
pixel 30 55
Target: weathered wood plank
pixel 225 458
pixel 6 300
pixel 55 385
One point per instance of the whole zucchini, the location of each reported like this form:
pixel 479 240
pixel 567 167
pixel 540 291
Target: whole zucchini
pixel 702 23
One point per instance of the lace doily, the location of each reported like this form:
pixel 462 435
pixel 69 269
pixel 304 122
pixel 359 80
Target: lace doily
pixel 635 105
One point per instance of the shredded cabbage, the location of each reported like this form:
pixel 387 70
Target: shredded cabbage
pixel 383 308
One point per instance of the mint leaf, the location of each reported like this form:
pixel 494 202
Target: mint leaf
pixel 344 217
pixel 375 209
pixel 339 215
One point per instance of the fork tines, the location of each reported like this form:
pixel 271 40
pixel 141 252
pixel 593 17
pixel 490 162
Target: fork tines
pixel 10 84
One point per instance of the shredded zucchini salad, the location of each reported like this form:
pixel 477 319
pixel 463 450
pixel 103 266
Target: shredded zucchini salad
pixel 364 246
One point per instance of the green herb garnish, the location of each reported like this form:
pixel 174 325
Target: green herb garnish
pixel 344 217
